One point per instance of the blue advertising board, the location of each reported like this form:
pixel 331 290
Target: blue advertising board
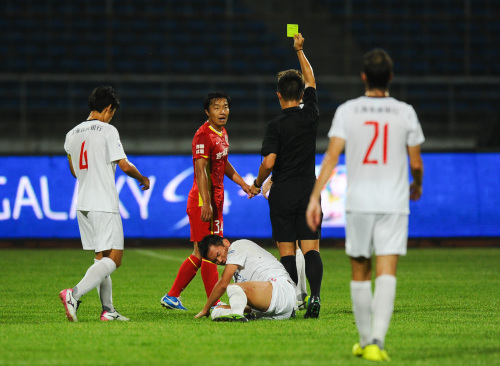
pixel 38 198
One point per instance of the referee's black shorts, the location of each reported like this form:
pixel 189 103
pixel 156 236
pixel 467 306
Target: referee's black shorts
pixel 288 202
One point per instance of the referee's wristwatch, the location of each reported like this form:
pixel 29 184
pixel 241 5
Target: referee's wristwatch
pixel 255 183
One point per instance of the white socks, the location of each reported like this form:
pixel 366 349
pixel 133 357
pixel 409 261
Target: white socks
pixel 94 276
pixel 361 296
pixel 301 289
pixel 373 315
pixel 383 305
pixel 237 299
pixel 105 293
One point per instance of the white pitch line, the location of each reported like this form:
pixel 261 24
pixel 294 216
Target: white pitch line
pixel 164 257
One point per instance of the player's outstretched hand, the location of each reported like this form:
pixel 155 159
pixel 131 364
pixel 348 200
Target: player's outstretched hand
pixel 415 191
pixel 202 314
pixel 313 214
pixel 144 183
pixel 246 188
pixel 298 41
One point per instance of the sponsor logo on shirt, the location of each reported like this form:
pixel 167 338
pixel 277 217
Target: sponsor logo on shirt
pixel 373 109
pixel 89 128
pixel 200 149
pixel 222 154
pixel 238 278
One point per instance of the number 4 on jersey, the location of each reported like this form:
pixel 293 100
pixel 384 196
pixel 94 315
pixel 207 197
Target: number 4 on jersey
pixel 367 159
pixel 84 163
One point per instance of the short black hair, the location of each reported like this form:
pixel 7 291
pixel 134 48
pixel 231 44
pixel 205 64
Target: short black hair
pixel 290 84
pixel 207 242
pixel 101 97
pixel 215 95
pixel 378 68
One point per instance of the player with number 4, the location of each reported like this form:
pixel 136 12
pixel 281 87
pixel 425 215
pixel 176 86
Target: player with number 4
pixel 94 150
pixel 378 133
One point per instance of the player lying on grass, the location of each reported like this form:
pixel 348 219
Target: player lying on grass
pixel 206 198
pixel 261 283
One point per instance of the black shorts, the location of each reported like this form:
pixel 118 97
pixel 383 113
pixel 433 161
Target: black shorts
pixel 288 202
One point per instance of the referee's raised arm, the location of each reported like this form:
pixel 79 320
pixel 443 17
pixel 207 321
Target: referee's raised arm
pixel 298 44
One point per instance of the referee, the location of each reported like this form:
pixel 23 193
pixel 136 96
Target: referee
pixel 289 149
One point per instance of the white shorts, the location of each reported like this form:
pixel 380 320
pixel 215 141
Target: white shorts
pixel 382 234
pixel 282 301
pixel 100 231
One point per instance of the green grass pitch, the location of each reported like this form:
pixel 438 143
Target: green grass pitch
pixel 447 312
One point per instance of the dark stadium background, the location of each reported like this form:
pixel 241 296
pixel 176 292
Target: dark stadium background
pixel 163 56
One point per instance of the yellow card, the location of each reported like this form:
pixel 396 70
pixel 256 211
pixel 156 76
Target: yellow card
pixel 292 30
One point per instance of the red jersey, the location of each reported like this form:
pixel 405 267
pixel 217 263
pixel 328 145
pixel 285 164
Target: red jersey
pixel 213 146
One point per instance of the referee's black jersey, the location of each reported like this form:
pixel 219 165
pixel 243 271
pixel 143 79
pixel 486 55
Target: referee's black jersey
pixel 292 137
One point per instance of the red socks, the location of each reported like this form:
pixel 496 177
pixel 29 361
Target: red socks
pixel 210 275
pixel 186 273
pixel 188 270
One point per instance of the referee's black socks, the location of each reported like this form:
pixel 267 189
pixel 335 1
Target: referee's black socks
pixel 290 264
pixel 314 271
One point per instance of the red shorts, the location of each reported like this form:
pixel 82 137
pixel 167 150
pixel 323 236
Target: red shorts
pixel 199 228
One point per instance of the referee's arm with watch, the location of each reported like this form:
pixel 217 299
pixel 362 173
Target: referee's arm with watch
pixel 266 167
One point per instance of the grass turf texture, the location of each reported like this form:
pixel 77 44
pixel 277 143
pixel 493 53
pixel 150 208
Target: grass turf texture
pixel 446 313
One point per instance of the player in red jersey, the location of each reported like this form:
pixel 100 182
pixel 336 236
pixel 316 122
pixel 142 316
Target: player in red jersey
pixel 206 199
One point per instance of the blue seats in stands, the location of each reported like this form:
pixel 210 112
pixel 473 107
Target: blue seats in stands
pixel 438 30
pixel 207 37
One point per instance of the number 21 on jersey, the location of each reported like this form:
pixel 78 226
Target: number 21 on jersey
pixel 84 163
pixel 375 126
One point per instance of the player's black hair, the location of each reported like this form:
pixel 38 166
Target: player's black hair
pixel 290 84
pixel 215 95
pixel 378 66
pixel 101 97
pixel 208 241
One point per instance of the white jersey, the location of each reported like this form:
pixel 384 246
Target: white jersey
pixel 94 147
pixel 377 132
pixel 254 263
